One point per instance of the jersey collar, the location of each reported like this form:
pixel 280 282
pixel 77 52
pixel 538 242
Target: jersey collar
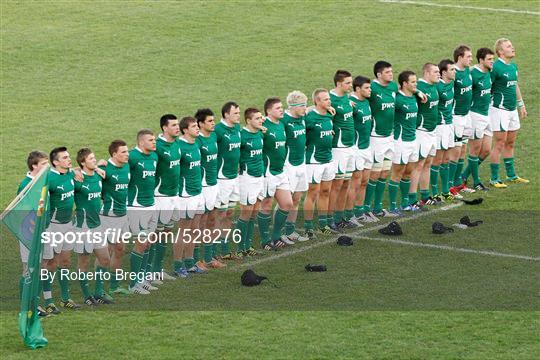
pixel 29 174
pixel 479 69
pixel 224 122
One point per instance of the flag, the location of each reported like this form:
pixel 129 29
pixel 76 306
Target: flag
pixel 25 217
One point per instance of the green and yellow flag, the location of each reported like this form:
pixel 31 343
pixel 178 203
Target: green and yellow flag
pixel 25 217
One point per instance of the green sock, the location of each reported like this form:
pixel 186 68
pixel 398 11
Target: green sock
pixel 115 282
pixel 443 171
pixel 84 286
pixel 393 188
pixel 161 248
pixel 413 197
pixel 215 250
pixel 404 186
pixel 452 166
pixel 225 247
pixel 144 264
pixel 358 210
pixel 349 213
pixel 308 224
pixel 241 225
pixel 100 274
pixel 434 179
pixel 250 228
pixel 189 262
pixel 322 220
pixel 338 216
pixel 263 220
pixel 197 253
pixel 424 194
pixel 467 172
pixel 178 265
pixel 279 221
pixel 22 279
pixel 509 166
pixel 473 164
pixel 289 228
pixel 370 191
pixel 151 255
pixel 207 253
pixel 457 177
pixel 494 172
pixel 379 192
pixel 329 218
pixel 64 285
pixel 135 260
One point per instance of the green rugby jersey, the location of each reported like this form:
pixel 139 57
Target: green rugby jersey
pixel 27 179
pixel 209 158
pixel 142 183
pixel 251 153
pixel 446 101
pixel 228 140
pixel 61 196
pixel 382 102
pixel 406 117
pixel 343 121
pixel 274 149
pixel 481 90
pixel 190 169
pixel 88 201
pixel 363 123
pixel 168 166
pixel 462 92
pixel 319 134
pixel 295 129
pixel 115 189
pixel 504 78
pixel 428 113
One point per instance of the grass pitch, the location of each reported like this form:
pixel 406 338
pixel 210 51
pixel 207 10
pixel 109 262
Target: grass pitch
pixel 82 74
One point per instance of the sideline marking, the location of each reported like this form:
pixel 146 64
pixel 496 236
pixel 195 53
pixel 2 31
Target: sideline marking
pixel 424 3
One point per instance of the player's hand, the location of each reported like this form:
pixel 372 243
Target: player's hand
pixel 423 97
pixel 523 112
pixel 102 162
pixel 332 111
pixel 101 172
pixel 353 104
pixel 78 175
pixel 310 108
pixel 263 129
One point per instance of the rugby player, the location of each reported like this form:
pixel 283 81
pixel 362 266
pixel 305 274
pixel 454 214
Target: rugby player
pixel 503 113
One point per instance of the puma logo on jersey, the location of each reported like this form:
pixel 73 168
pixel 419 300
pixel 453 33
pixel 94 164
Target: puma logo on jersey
pixel 227 136
pixel 325 133
pixel 252 153
pixel 204 147
pixel 148 173
pixel 297 133
pixel 189 155
pixel 459 81
pixel 115 177
pixel 167 153
pixel 428 95
pixel 174 163
pixel 318 125
pixel 194 163
pixel 387 106
pixel 290 124
pixel 272 134
pixel 60 187
pixel 141 164
pixel 445 93
pixel 94 195
pixel 120 187
pixel 379 96
pixel 340 107
pixel 481 83
pixel 279 144
pixel 406 106
pixel 361 111
pixel 211 157
pixel 249 144
pixel 506 75
pixel 67 195
pixel 87 187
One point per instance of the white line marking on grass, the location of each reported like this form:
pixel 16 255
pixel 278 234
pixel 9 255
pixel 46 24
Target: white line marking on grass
pixel 424 3
pixel 450 248
pixel 319 243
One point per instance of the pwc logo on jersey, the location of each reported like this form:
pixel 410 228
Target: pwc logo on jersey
pixel 325 133
pixel 174 163
pixel 67 195
pixel 148 173
pixel 279 144
pixel 192 164
pixel 121 187
pixel 385 106
pixel 485 92
pixel 211 157
pixel 347 116
pixel 234 146
pixel 465 89
pixel 411 115
pixel 433 103
pixel 252 153
pixel 366 118
pixel 297 133
pixel 448 103
pixel 94 195
pixel 511 83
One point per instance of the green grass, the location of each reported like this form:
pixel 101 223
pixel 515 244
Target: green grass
pixel 84 73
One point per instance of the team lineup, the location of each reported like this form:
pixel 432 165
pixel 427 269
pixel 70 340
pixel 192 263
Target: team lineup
pixel 331 161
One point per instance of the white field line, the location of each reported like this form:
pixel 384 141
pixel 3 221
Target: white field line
pixel 319 243
pixel 450 248
pixel 425 3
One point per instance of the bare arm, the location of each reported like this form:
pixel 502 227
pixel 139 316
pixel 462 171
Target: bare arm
pixel 521 104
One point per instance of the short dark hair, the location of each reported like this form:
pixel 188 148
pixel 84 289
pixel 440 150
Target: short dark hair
pixel 54 153
pixel 143 132
pixel 380 66
pixel 269 103
pixel 164 121
pixel 427 66
pixel 482 53
pixel 443 65
pixel 248 113
pixel 359 81
pixel 226 108
pixel 34 157
pixel 202 114
pixel 185 122
pixel 341 75
pixel 115 144
pixel 82 154
pixel 460 51
pixel 404 76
